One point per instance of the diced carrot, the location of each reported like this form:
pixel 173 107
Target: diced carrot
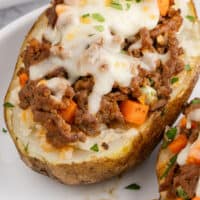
pixel 163 6
pixel 23 78
pixel 69 113
pixel 183 122
pixel 61 8
pixel 194 154
pixel 134 112
pixel 178 144
pixel 196 198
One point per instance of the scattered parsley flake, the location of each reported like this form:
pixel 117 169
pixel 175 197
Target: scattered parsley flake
pixel 195 101
pixel 128 6
pixel 174 80
pixel 99 28
pixel 4 130
pixel 85 15
pixel 191 18
pixel 181 193
pixel 123 52
pixel 133 186
pixel 95 148
pixel 115 4
pixel 26 148
pixel 169 166
pixel 170 135
pixel 98 17
pixel 187 67
pixel 8 105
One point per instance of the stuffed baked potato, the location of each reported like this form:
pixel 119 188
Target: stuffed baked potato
pixel 96 83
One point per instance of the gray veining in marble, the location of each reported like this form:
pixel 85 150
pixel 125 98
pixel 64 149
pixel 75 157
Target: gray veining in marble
pixel 10 14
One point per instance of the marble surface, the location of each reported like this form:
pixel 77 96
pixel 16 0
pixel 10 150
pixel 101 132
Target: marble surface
pixel 10 14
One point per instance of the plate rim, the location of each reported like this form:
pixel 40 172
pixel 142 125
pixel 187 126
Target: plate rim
pixel 21 21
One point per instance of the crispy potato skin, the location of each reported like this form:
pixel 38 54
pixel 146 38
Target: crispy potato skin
pixel 98 170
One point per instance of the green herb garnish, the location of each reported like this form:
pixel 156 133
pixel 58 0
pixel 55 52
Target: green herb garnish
pixel 4 130
pixel 138 1
pixel 187 67
pixel 85 15
pixel 8 105
pixel 133 186
pixel 169 166
pixel 98 17
pixel 170 135
pixel 99 28
pixel 181 193
pixel 174 80
pixel 123 52
pixel 191 18
pixel 115 4
pixel 195 101
pixel 26 148
pixel 95 148
pixel 128 6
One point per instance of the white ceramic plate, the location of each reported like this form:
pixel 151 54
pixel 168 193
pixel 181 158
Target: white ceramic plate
pixel 8 3
pixel 19 182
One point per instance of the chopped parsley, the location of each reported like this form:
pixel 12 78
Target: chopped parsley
pixel 116 5
pixel 171 163
pixel 181 193
pixel 123 52
pixel 187 67
pixel 99 28
pixel 133 186
pixel 98 17
pixel 95 148
pixel 138 1
pixel 170 135
pixel 128 6
pixel 4 130
pixel 195 101
pixel 85 15
pixel 191 18
pixel 174 80
pixel 8 105
pixel 26 148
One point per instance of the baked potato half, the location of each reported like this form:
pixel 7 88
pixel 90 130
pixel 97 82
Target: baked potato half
pixel 178 166
pixel 90 97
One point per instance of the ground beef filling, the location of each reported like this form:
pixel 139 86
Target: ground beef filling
pixel 45 110
pixel 185 176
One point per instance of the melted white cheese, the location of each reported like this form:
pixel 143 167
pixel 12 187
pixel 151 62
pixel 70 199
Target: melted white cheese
pixel 194 115
pixel 188 35
pixel 183 155
pixel 90 48
pixel 58 86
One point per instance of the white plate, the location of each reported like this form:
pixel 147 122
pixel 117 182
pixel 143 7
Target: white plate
pixel 19 182
pixel 8 3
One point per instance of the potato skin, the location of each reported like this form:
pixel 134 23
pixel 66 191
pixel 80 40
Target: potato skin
pixel 98 170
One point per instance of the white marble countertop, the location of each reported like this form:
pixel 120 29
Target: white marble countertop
pixel 10 14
